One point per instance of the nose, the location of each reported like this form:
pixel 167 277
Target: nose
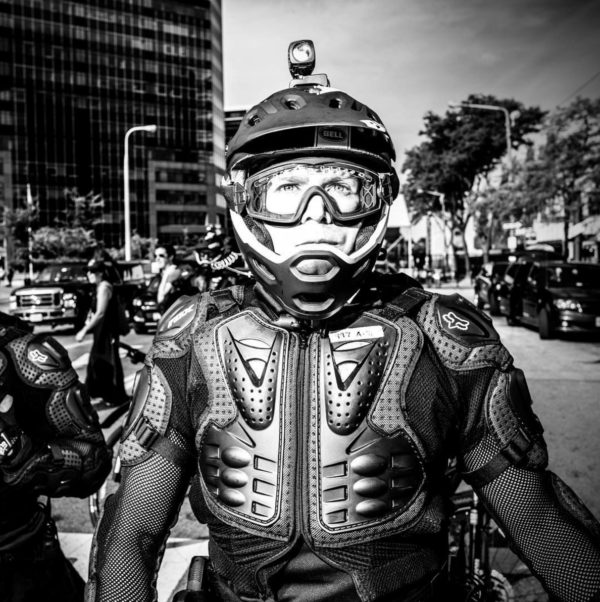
pixel 316 210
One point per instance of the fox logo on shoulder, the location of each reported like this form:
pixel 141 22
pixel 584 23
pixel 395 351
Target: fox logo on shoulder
pixel 454 322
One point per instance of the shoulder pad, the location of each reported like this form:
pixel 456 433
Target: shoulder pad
pixel 41 361
pixel 178 317
pixel 463 337
pixel 461 320
pixel 46 353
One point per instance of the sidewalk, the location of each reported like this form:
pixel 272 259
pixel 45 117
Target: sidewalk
pixel 463 287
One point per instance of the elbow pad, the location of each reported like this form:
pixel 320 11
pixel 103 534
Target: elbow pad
pixel 514 432
pixel 569 502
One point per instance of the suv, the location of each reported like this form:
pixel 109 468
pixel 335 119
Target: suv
pixel 62 294
pixel 560 296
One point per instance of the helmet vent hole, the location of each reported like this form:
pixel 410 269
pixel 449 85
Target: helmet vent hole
pixel 372 116
pixel 253 119
pixel 335 103
pixel 291 104
pixel 356 106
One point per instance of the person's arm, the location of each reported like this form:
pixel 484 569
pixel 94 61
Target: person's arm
pixel 105 292
pixel 547 525
pixel 170 275
pixel 61 449
pixel 157 456
pixel 503 455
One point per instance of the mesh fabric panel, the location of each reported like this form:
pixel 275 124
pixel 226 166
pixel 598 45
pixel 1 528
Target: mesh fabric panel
pixel 133 529
pixel 554 545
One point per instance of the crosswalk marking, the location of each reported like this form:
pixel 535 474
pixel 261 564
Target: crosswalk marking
pixel 176 560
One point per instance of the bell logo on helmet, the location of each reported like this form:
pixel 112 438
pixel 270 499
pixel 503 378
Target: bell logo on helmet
pixel 374 125
pixel 332 134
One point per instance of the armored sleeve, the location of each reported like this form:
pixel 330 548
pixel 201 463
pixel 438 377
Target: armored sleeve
pixel 157 460
pixel 41 396
pixel 504 457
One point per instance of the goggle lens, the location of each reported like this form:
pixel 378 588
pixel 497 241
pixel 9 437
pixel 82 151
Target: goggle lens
pixel 281 194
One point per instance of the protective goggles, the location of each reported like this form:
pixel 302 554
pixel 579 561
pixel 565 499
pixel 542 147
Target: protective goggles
pixel 280 195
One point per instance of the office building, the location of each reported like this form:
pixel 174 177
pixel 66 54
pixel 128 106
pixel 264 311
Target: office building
pixel 76 75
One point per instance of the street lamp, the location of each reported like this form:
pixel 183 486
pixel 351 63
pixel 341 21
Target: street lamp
pixel 507 118
pixel 138 128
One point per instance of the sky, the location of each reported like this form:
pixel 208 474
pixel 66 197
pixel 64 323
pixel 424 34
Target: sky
pixel 404 58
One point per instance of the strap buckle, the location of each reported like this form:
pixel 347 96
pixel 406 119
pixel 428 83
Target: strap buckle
pixel 145 433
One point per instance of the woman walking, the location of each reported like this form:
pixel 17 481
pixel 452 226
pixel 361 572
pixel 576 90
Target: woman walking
pixel 104 372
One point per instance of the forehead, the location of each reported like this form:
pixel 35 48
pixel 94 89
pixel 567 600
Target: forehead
pixel 313 173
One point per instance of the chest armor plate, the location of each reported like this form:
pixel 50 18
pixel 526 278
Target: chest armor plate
pixel 310 435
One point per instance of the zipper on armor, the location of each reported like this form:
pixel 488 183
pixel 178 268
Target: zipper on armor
pixel 304 339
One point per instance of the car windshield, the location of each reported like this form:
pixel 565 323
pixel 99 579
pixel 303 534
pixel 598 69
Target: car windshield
pixel 563 276
pixel 62 273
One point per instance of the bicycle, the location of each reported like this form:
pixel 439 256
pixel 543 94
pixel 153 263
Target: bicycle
pixel 480 562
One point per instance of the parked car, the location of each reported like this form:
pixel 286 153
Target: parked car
pixel 487 285
pixel 561 297
pixel 62 294
pixel 145 314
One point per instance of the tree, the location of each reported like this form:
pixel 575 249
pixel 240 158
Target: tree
pixel 567 167
pixel 461 149
pixel 71 237
pixel 82 210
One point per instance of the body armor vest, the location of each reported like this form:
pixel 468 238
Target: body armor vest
pixel 305 434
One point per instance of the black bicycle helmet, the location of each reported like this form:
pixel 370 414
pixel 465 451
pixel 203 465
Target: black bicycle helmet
pixel 309 120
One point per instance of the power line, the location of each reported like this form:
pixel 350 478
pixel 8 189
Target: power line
pixel 580 88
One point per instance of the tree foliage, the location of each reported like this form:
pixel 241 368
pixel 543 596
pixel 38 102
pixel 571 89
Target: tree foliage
pixel 567 167
pixel 459 151
pixel 555 180
pixel 71 237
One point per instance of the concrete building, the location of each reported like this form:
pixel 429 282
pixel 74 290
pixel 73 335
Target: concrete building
pixel 76 75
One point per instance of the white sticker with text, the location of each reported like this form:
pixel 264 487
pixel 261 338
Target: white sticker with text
pixel 356 334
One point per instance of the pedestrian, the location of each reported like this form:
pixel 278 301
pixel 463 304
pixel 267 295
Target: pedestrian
pixel 104 378
pixel 50 445
pixel 316 412
pixel 169 275
pixel 9 276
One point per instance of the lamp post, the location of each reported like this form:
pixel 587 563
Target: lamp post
pixel 138 128
pixel 507 118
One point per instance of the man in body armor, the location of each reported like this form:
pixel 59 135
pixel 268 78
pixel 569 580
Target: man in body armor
pixel 50 445
pixel 315 412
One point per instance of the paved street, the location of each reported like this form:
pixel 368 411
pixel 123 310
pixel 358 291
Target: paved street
pixel 564 379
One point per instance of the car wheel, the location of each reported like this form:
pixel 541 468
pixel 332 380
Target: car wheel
pixel 494 307
pixel 139 329
pixel 545 325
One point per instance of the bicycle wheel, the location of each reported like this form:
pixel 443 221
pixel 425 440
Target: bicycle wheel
pixel 96 500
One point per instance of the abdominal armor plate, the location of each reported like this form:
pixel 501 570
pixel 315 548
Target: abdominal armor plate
pixel 241 462
pixel 366 478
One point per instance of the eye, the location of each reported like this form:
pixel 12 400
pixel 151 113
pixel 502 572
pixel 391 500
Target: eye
pixel 341 187
pixel 287 187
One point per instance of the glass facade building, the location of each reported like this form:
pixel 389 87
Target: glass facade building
pixel 75 76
